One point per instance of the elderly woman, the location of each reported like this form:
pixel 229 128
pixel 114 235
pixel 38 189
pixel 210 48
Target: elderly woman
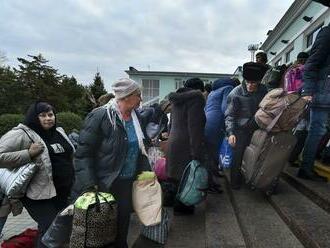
pixel 111 151
pixel 39 141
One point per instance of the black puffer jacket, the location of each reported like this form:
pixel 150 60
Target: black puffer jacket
pixel 242 106
pixel 101 152
pixel 317 71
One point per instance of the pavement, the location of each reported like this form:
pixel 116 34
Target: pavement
pixel 17 224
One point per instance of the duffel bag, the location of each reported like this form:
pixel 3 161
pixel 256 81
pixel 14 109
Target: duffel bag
pixel 94 221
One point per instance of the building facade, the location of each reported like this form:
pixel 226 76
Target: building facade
pixel 295 32
pixel 157 84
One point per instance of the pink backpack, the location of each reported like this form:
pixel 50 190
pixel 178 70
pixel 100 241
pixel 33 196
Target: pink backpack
pixel 160 169
pixel 294 79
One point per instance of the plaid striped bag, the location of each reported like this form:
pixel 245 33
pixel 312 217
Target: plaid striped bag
pixel 159 232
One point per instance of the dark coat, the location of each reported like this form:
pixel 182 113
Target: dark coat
pixel 317 71
pixel 186 138
pixel 242 106
pixel 101 152
pixel 215 108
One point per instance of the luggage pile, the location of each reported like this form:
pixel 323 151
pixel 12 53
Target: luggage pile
pixel 271 145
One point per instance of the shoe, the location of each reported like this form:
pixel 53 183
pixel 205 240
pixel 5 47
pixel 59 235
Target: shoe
pixel 294 164
pixel 235 187
pixel 214 189
pixel 180 209
pixel 311 176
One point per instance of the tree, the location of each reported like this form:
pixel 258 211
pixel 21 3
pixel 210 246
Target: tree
pixel 97 88
pixel 3 58
pixel 12 93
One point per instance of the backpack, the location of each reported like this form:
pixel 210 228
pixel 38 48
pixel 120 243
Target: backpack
pixel 294 79
pixel 26 239
pixel 292 106
pixel 273 77
pixel 193 184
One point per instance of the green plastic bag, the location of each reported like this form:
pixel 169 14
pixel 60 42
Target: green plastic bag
pixel 88 198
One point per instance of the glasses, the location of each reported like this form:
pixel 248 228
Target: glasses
pixel 251 82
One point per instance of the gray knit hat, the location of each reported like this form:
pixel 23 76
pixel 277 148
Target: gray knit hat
pixel 124 87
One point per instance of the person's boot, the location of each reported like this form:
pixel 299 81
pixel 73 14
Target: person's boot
pixel 181 209
pixel 313 176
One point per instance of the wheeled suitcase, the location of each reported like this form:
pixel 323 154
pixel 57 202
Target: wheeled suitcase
pixel 265 158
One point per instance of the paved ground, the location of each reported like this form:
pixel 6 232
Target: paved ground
pixel 17 224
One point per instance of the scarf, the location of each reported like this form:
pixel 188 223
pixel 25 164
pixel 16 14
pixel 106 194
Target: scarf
pixel 113 112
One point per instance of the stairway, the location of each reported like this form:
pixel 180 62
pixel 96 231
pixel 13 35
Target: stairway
pixel 297 216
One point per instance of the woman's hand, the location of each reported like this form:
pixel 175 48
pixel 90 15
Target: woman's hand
pixel 36 149
pixel 232 140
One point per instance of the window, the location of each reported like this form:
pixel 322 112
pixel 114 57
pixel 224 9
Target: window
pixel 311 36
pixel 178 83
pixel 278 62
pixel 150 89
pixel 288 55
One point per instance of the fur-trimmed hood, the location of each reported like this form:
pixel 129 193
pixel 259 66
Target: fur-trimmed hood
pixel 184 95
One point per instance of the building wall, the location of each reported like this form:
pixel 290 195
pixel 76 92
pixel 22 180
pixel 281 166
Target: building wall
pixel 297 33
pixel 168 84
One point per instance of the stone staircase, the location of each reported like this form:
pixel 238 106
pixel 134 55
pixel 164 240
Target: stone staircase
pixel 297 216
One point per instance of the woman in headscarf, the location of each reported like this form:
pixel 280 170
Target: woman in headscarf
pixel 111 151
pixel 39 141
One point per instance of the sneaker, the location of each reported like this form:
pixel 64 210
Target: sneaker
pixel 311 176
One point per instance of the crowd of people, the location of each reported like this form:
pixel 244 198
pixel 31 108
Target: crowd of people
pixel 111 149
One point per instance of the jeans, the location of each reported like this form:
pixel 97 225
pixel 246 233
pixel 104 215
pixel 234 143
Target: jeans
pixel 122 191
pixel 44 212
pixel 317 128
pixel 243 139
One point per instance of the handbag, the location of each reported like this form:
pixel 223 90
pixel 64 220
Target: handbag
pixel 225 154
pixel 147 200
pixel 159 232
pixel 94 222
pixel 14 182
pixel 58 234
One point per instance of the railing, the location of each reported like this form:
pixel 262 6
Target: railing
pixel 152 101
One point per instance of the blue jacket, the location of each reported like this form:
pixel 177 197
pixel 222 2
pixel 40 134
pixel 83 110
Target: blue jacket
pixel 317 71
pixel 215 108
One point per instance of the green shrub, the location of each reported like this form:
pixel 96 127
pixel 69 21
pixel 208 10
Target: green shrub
pixel 8 121
pixel 68 121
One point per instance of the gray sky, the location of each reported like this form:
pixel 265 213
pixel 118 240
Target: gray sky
pixel 79 37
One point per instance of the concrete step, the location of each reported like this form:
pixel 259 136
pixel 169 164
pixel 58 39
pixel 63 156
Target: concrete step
pixel 185 231
pixel 318 192
pixel 221 225
pixel 261 225
pixel 306 219
pixel 213 225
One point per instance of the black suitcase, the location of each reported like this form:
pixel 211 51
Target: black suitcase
pixel 266 157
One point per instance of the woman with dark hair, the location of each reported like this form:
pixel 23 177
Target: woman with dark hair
pixel 39 141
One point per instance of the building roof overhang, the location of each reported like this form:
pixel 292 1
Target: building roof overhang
pixel 132 71
pixel 296 8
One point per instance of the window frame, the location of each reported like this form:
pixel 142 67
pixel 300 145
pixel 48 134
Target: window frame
pixel 149 88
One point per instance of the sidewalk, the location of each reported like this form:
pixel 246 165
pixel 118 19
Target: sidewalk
pixel 17 224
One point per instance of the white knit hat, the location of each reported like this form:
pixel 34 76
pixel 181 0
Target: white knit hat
pixel 124 87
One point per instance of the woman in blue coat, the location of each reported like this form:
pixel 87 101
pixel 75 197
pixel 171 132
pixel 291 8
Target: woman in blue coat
pixel 215 108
